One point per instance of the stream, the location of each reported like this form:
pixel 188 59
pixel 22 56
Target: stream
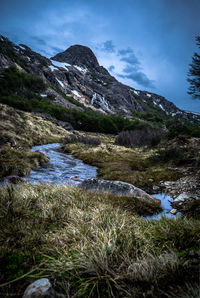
pixel 64 168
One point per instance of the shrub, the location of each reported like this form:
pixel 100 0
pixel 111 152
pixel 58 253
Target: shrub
pixel 19 83
pixel 177 155
pixel 176 129
pixel 82 139
pixel 140 137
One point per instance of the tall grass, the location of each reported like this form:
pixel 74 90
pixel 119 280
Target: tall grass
pixel 89 247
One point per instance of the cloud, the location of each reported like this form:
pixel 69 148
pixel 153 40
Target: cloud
pixel 111 68
pixel 138 77
pixel 124 52
pixel 107 46
pixel 133 69
pixel 39 40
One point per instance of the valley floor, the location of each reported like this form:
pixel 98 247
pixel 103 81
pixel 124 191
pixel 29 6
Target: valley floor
pixel 92 245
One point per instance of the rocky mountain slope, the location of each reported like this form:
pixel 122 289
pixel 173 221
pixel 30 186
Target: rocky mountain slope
pixel 76 73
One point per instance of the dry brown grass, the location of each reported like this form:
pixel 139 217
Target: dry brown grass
pixel 23 130
pixel 130 165
pixel 89 247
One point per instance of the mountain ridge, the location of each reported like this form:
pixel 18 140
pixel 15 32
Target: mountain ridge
pixel 77 73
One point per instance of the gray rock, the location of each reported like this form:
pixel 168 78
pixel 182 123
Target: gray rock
pixel 40 288
pixel 65 125
pixel 167 183
pixel 182 197
pixel 155 187
pixel 118 188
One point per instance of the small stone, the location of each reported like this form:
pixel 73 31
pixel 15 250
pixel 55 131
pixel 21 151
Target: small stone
pixel 155 187
pixel 39 289
pixel 167 183
pixel 173 211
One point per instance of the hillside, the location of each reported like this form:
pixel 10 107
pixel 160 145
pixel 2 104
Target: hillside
pixel 74 79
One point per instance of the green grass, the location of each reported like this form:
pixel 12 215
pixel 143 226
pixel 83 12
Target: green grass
pixel 130 165
pixel 90 247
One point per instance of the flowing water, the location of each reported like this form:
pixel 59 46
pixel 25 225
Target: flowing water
pixel 62 168
pixel 165 204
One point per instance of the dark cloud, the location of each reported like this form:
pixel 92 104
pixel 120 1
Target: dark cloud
pixel 111 68
pixel 140 78
pixel 131 59
pixel 132 70
pixel 124 52
pixel 108 46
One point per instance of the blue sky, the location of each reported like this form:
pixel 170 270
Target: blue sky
pixel 147 44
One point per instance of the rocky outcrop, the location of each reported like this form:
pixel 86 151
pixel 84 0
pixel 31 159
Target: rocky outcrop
pixel 78 55
pixel 118 188
pixel 76 73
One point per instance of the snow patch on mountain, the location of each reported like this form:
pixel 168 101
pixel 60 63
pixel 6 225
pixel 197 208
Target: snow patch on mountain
pixel 147 94
pixel 82 69
pixel 23 48
pixel 53 67
pixel 76 93
pixel 136 92
pixel 60 64
pixel 61 83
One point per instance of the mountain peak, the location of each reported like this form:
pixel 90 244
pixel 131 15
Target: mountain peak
pixel 78 55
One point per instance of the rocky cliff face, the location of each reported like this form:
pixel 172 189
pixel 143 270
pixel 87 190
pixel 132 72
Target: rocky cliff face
pixel 77 73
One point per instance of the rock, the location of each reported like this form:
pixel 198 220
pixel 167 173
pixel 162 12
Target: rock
pixel 156 187
pixel 173 211
pixel 167 183
pixel 40 288
pixel 118 188
pixel 65 125
pixel 14 179
pixel 182 197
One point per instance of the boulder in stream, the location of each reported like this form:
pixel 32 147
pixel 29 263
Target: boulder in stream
pixel 118 188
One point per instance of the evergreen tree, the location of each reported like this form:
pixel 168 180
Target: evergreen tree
pixel 194 73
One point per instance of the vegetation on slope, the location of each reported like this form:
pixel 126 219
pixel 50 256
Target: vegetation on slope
pixel 90 246
pixel 19 132
pixel 16 90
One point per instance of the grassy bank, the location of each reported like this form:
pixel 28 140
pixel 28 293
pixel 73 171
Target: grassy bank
pixel 91 247
pixel 19 132
pixel 130 165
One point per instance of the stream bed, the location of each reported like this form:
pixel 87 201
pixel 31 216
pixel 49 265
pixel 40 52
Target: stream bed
pixel 64 168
